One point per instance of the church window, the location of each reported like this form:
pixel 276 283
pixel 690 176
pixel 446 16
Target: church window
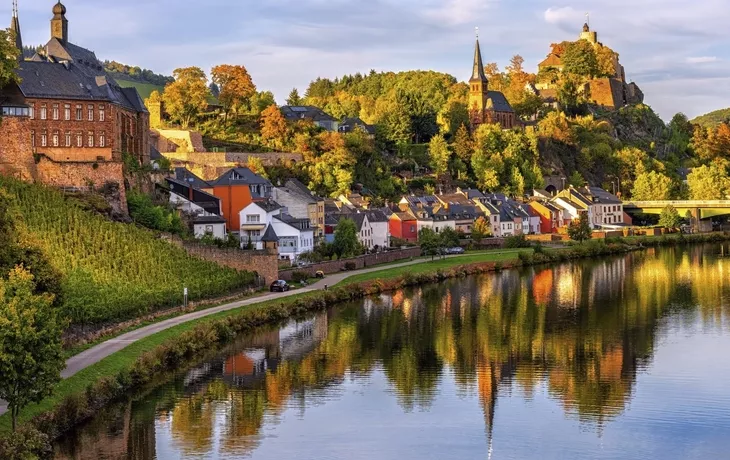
pixel 68 138
pixel 79 139
pixel 55 138
pixel 79 113
pixel 102 139
pixel 91 112
pixel 44 139
pixel 44 112
pixel 67 112
pixel 55 111
pixel 91 139
pixel 102 113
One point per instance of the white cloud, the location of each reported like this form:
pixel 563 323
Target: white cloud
pixel 560 16
pixel 457 12
pixel 702 59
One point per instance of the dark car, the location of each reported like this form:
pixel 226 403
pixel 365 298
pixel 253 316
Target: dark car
pixel 279 286
pixel 456 250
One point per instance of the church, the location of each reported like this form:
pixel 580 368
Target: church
pixel 487 106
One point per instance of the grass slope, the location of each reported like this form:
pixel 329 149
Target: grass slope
pixel 712 119
pixel 144 89
pixel 110 271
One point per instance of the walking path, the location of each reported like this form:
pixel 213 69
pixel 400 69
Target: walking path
pixel 98 352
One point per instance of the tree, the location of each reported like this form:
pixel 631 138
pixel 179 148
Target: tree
pixel 579 58
pixel 346 243
pixel 31 355
pixel 670 217
pixel 439 154
pixel 652 186
pixel 273 125
pixel 256 165
pixel 187 96
pixel 261 101
pixel 581 230
pixel 449 238
pixel 463 147
pixel 480 229
pixel 236 86
pixel 576 179
pixel 709 183
pixel 215 91
pixel 294 98
pixel 430 242
pixel 8 58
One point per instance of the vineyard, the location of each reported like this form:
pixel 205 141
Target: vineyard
pixel 111 271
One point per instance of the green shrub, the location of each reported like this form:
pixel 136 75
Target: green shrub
pixel 147 214
pixel 26 443
pixel 516 241
pixel 299 276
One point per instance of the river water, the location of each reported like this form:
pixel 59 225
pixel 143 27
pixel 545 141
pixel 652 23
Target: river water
pixel 618 358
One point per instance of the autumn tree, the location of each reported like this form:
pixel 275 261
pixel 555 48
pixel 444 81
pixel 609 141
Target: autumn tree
pixel 294 98
pixel 480 229
pixel 256 165
pixel 580 230
pixel 709 183
pixel 187 96
pixel 31 355
pixel 670 218
pixel 438 151
pixel 580 59
pixel 462 145
pixel 346 243
pixel 273 126
pixel 236 86
pixel 261 101
pixel 652 186
pixel 453 116
pixel 606 60
pixel 331 172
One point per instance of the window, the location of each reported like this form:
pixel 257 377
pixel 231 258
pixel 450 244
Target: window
pixel 254 233
pixel 79 139
pixel 44 139
pixel 55 138
pixel 68 139
pixel 102 113
pixel 90 109
pixel 67 112
pixel 55 111
pixel 209 229
pixel 102 139
pixel 44 112
pixel 32 111
pixel 79 112
pixel 253 218
pixel 91 138
pixel 32 139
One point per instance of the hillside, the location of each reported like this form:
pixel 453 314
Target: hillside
pixel 144 89
pixel 712 119
pixel 110 271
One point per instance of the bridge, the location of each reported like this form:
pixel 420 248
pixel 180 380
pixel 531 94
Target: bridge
pixel 700 209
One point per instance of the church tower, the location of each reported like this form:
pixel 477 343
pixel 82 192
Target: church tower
pixel 59 23
pixel 15 30
pixel 478 88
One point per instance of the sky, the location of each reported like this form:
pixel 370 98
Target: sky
pixel 677 51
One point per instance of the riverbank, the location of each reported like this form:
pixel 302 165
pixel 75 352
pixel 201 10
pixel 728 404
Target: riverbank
pixel 79 397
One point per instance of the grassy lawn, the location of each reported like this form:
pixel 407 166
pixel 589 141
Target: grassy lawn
pixel 144 89
pixel 501 255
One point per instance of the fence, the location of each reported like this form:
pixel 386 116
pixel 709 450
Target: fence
pixel 356 263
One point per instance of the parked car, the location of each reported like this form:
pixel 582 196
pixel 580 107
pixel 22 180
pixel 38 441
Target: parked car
pixel 279 286
pixel 456 250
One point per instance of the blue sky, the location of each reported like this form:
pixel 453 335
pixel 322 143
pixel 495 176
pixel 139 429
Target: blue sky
pixel 676 50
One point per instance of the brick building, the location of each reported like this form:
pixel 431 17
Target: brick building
pixel 71 110
pixel 487 106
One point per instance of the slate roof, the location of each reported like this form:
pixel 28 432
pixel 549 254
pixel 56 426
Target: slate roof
pixel 268 205
pixel 209 220
pixel 183 175
pixel 240 176
pixel 72 72
pixel 472 193
pixel 305 112
pixel 270 235
pixel 348 125
pixel 602 195
pixel 498 102
pixel 376 215
pixel 295 186
pixel 299 224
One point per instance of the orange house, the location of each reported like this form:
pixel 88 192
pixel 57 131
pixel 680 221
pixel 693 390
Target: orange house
pixel 237 188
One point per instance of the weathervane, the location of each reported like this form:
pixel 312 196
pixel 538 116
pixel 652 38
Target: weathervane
pixel 476 30
pixel 588 19
pixel 15 8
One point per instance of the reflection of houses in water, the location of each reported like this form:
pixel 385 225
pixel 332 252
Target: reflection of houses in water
pixel 264 352
pixel 383 302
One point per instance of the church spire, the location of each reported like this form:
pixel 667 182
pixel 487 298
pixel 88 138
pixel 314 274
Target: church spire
pixel 477 73
pixel 59 23
pixel 15 30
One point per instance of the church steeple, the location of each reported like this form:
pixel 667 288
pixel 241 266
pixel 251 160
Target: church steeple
pixel 15 30
pixel 478 87
pixel 59 23
pixel 477 73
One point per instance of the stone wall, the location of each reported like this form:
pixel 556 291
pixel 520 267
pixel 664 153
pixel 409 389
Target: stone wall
pixel 210 165
pixel 84 175
pixel 170 140
pixel 16 151
pixel 264 263
pixel 369 260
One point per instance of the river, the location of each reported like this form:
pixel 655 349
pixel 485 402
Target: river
pixel 623 357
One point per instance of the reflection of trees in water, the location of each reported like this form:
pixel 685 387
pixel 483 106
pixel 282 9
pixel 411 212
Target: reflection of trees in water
pixel 582 330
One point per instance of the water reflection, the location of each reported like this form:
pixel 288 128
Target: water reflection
pixel 580 332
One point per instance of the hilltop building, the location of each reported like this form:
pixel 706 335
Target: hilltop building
pixel 68 112
pixel 611 92
pixel 487 106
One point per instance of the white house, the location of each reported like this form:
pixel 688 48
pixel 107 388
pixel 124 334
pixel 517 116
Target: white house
pixel 296 236
pixel 608 208
pixel 442 221
pixel 254 219
pixel 209 225
pixel 380 225
pixel 204 208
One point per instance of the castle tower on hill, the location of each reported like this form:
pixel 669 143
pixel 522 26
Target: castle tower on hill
pixel 587 34
pixel 487 106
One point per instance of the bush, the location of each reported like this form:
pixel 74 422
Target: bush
pixel 349 266
pixel 147 214
pixel 26 443
pixel 517 241
pixel 299 276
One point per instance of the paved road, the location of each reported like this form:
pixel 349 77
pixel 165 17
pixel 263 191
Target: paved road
pixel 95 354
